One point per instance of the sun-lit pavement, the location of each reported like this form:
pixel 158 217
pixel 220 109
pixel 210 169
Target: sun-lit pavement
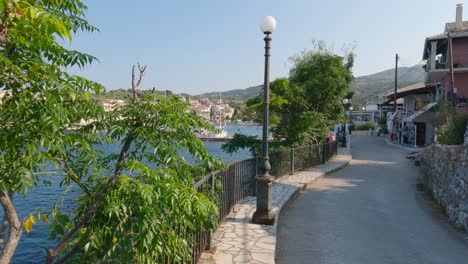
pixel 237 240
pixel 369 212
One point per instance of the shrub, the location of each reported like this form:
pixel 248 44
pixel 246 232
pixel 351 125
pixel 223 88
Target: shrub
pixel 365 126
pixel 453 134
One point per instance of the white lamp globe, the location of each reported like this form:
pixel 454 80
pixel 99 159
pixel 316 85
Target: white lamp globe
pixel 345 101
pixel 268 24
pixel 351 108
pixel 363 108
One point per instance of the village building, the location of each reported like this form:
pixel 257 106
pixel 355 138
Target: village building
pixel 446 79
pixel 111 104
pixel 214 111
pixel 447 61
pixel 412 123
pixel 3 94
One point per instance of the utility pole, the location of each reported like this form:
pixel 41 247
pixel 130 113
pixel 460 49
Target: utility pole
pixel 452 78
pixel 396 85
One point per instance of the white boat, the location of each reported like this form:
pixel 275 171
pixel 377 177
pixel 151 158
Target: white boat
pixel 222 133
pixel 203 134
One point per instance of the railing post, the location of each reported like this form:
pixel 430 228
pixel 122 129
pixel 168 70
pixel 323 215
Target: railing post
pixel 255 177
pixel 209 245
pixel 310 157
pixel 292 160
pixel 324 153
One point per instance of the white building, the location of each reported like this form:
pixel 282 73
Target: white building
pixel 111 104
pixel 3 94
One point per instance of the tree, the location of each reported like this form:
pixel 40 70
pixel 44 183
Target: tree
pixel 305 105
pixel 42 98
pixel 142 206
pixel 138 204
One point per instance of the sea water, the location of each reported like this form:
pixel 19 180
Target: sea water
pixel 31 248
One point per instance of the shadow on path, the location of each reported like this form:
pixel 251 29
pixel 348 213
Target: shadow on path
pixel 369 212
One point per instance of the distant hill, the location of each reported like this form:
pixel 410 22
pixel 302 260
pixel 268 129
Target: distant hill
pixel 381 83
pixel 238 94
pixel 365 87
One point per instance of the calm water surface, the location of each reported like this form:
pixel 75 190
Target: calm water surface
pixel 31 248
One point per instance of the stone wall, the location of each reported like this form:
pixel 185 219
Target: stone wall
pixel 446 175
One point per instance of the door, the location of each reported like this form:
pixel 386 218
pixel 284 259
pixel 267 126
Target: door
pixel 420 134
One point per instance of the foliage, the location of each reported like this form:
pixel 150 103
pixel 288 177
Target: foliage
pixel 382 121
pixel 152 211
pixel 453 133
pixel 137 204
pixel 122 94
pixel 450 126
pixel 365 127
pixel 252 143
pixel 305 105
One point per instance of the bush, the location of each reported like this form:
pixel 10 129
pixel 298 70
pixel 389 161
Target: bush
pixel 384 130
pixel 454 133
pixel 365 126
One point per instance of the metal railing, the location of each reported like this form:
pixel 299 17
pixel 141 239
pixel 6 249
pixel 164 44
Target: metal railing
pixel 238 181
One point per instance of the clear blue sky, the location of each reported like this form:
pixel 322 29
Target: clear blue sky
pixel 212 45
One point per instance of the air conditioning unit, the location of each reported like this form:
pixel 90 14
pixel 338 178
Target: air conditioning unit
pixel 441 60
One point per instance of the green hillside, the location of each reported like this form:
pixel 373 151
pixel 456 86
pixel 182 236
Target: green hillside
pixel 238 94
pixel 381 83
pixel 364 87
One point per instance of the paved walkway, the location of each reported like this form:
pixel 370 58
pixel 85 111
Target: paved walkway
pixel 369 212
pixel 237 240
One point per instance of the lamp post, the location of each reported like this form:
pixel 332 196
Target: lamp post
pixel 345 102
pixel 349 126
pixel 263 214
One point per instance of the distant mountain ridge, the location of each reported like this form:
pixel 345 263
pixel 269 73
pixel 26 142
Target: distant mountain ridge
pixel 237 94
pixel 364 87
pixel 381 83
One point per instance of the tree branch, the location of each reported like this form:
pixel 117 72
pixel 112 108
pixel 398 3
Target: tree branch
pixel 4 26
pixel 75 250
pixel 137 84
pixel 51 253
pixel 66 167
pixel 6 199
pixel 119 167
pixel 3 229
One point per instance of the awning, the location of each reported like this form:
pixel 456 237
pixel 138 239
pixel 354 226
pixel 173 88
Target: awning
pixel 417 114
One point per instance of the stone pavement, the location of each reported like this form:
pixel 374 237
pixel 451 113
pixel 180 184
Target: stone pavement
pixel 237 240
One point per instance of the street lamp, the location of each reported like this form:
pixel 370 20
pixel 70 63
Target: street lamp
pixel 263 214
pixel 349 124
pixel 345 102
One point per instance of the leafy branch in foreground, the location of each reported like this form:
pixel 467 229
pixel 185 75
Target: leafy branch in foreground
pixel 146 210
pixel 137 204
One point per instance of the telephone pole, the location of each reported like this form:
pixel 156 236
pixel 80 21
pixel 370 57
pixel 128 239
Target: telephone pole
pixel 452 78
pixel 396 85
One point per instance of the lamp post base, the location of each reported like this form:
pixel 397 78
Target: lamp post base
pixel 263 218
pixel 263 215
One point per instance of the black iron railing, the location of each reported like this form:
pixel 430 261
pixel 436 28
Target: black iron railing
pixel 226 188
